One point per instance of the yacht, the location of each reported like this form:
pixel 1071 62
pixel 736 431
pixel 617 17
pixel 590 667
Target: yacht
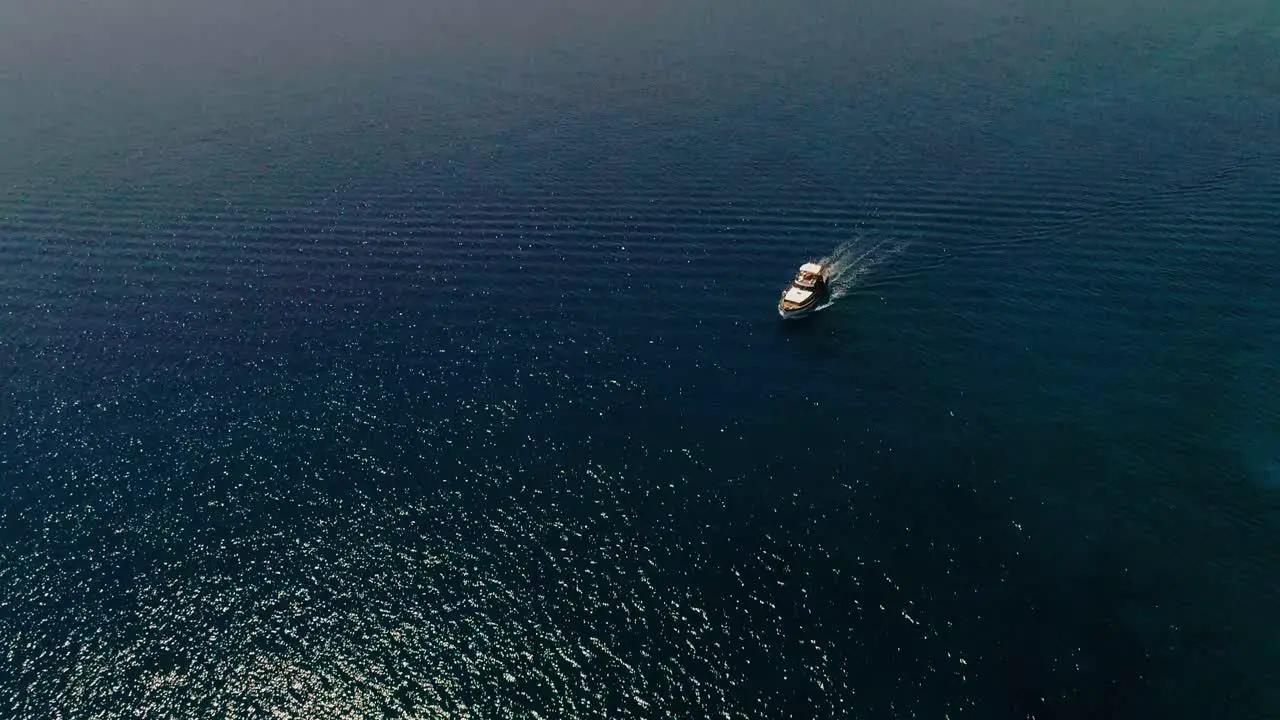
pixel 806 293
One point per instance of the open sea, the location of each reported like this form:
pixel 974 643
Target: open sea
pixel 421 359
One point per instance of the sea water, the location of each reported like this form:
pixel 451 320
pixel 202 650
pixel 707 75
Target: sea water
pixel 422 360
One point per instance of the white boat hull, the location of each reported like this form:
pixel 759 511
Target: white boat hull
pixel 801 312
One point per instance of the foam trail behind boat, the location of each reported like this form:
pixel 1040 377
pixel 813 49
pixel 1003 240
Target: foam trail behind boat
pixel 853 259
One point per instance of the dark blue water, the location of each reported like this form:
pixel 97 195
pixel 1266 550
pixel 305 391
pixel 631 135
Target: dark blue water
pixel 405 361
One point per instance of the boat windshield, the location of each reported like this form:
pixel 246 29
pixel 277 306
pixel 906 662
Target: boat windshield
pixel 806 280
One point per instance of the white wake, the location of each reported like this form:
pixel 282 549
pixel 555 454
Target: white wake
pixel 853 259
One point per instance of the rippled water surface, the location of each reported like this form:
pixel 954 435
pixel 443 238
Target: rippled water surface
pixel 423 361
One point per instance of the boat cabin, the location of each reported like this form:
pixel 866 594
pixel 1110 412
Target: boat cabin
pixel 810 276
